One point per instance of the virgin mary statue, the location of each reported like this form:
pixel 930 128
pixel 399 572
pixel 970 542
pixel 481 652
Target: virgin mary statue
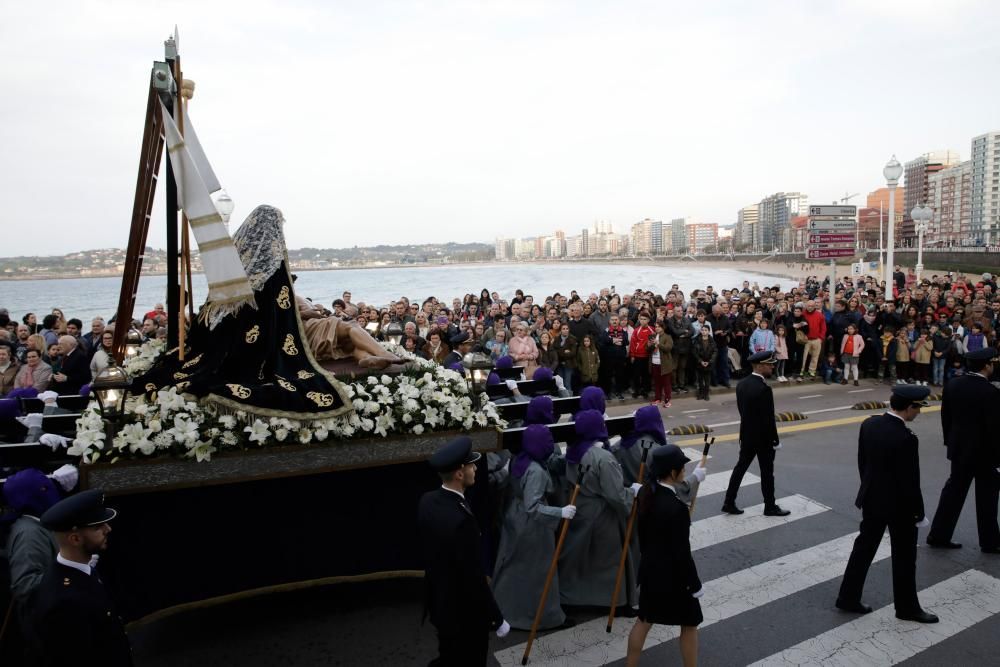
pixel 259 360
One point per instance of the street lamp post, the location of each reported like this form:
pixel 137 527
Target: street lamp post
pixel 921 215
pixel 892 171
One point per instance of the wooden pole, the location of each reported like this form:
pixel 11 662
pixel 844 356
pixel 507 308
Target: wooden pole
pixel 552 569
pixel 628 538
pixel 704 460
pixel 185 261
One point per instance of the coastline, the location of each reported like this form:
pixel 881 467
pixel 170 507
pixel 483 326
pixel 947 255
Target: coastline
pixel 776 269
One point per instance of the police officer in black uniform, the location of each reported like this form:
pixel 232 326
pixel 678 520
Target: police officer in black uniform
pixel 457 597
pixel 461 345
pixel 74 621
pixel 889 497
pixel 969 410
pixel 758 434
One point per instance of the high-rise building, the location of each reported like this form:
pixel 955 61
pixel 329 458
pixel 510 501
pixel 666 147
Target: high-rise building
pixel 584 243
pixel 746 222
pixel 647 237
pixel 701 235
pixel 949 194
pixel 774 214
pixel 916 175
pixel 504 249
pixel 678 235
pixel 984 225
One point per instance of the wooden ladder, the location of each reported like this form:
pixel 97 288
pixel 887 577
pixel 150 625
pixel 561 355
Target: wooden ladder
pixel 145 188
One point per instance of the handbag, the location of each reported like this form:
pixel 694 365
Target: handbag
pixel 800 337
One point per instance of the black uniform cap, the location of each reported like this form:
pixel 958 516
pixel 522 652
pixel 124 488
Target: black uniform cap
pixel 763 357
pixel 665 459
pixel 985 354
pixel 453 455
pixel 916 394
pixel 460 338
pixel 78 511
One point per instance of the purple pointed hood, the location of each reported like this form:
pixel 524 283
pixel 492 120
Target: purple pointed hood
pixel 540 411
pixel 29 491
pixel 592 398
pixel 590 429
pixel 506 361
pixel 536 445
pixel 647 422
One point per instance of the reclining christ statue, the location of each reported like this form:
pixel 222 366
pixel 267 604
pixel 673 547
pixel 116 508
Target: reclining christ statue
pixel 264 359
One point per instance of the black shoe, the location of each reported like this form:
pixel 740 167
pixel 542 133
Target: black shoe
pixel 920 616
pixel 991 550
pixel 853 607
pixel 625 611
pixel 774 510
pixel 731 508
pixel 938 544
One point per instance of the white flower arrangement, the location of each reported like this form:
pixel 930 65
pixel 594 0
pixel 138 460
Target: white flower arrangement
pixel 425 397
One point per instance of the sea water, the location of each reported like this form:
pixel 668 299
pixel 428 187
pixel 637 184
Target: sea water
pixel 86 298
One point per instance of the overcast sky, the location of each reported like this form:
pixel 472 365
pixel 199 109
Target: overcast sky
pixel 401 122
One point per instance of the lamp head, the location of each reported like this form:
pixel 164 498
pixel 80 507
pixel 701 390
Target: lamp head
pixel 892 171
pixel 111 388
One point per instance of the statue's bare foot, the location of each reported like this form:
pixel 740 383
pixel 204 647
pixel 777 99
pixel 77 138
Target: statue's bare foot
pixel 377 363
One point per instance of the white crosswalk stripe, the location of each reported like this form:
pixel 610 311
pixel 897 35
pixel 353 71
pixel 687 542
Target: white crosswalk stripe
pixel 880 638
pixel 588 645
pixel 724 527
pixel 719 481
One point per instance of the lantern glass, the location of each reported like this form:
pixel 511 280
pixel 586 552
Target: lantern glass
pixel 111 388
pixel 133 343
pixel 394 333
pixel 477 371
pixel 892 171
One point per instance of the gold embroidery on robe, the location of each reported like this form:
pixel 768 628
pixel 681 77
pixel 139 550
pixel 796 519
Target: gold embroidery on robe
pixel 189 364
pixel 284 298
pixel 322 400
pixel 260 373
pixel 286 384
pixel 181 387
pixel 253 334
pixel 305 375
pixel 289 346
pixel 180 376
pixel 239 391
pixel 150 386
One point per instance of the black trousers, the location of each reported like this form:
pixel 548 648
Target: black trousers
pixel 461 649
pixel 765 459
pixel 953 498
pixel 903 539
pixel 640 375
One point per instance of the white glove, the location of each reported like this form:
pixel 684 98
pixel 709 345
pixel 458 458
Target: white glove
pixel 923 523
pixel 698 593
pixel 559 383
pixel 66 476
pixel 635 488
pixel 778 446
pixel 93 561
pixel 699 474
pixel 54 441
pixel 503 630
pixel 568 512
pixel 511 384
pixel 34 420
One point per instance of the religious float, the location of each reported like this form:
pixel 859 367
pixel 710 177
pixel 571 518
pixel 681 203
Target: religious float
pixel 262 446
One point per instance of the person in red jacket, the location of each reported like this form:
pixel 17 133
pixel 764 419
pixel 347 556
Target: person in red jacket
pixel 638 355
pixel 816 335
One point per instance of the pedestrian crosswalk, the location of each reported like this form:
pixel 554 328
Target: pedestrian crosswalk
pixel 961 601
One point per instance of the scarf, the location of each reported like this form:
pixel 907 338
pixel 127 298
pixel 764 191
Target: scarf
pixel 228 288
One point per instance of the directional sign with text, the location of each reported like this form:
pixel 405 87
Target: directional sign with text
pixel 841 226
pixel 848 211
pixel 830 253
pixel 831 238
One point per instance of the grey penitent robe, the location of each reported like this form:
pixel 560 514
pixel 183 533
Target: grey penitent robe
pixel 527 542
pixel 588 563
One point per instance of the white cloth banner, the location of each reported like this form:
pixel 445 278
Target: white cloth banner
pixel 228 286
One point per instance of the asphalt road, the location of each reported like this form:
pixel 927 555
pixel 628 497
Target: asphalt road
pixel 770 584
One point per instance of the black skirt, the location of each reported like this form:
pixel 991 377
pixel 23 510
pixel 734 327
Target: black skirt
pixel 676 609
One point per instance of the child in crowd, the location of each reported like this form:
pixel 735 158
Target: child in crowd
pixel 762 338
pixel 975 340
pixel 588 362
pixel 851 347
pixel 829 369
pixel 941 343
pixel 922 350
pixel 781 352
pixel 903 374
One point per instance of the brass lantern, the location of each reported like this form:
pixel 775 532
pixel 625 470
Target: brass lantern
pixel 133 343
pixel 477 370
pixel 393 333
pixel 111 388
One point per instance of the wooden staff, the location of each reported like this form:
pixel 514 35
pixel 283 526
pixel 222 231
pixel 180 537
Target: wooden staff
pixel 552 568
pixel 704 460
pixel 628 539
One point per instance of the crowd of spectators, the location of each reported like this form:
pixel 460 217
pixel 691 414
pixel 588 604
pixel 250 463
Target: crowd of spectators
pixel 634 343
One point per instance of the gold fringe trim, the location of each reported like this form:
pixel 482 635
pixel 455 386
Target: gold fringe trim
pixel 269 590
pixel 203 220
pixel 229 306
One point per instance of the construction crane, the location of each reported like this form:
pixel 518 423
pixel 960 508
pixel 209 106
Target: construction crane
pixel 846 198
